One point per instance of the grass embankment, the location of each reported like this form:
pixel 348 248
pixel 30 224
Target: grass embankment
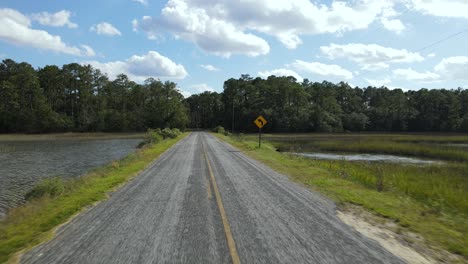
pixel 431 201
pixel 34 222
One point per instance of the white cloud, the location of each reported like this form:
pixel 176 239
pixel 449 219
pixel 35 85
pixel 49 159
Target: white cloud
pixel 135 25
pixel 370 55
pixel 212 35
pixel 16 28
pixel 379 83
pixel 431 55
pixel 281 73
pixel 389 21
pixel 209 67
pixel 393 24
pixel 453 67
pixel 441 8
pixel 139 68
pixel 228 27
pixel 202 87
pixel 185 93
pixel 59 19
pixel 328 70
pixel 143 2
pixel 105 28
pixel 412 75
pixel 88 51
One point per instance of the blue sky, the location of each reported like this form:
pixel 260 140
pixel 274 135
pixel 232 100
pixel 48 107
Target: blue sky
pixel 201 43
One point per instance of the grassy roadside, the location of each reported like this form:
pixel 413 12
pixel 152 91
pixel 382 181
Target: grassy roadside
pixel 34 222
pixel 442 227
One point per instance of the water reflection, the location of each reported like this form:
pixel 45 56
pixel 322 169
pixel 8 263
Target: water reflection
pixel 24 163
pixel 366 157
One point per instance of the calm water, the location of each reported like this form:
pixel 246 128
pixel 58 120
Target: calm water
pixel 367 157
pixel 24 163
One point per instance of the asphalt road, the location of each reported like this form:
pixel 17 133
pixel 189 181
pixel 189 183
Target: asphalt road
pixel 204 201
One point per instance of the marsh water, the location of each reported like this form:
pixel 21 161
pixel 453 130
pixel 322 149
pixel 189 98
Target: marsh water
pixel 23 163
pixel 367 157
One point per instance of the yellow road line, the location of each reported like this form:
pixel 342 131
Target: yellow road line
pixel 208 188
pixel 227 229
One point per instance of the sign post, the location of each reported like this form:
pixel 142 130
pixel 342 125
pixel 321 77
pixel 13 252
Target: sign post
pixel 260 122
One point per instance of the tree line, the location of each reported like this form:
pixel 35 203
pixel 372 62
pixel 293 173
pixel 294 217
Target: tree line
pixel 290 106
pixel 80 98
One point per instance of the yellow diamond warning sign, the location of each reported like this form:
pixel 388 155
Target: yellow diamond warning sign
pixel 260 121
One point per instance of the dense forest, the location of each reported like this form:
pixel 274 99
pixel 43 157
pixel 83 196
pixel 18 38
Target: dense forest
pixel 290 106
pixel 79 98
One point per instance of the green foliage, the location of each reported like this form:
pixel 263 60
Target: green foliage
pixel 290 106
pixel 219 129
pixel 79 98
pixel 49 187
pixel 154 136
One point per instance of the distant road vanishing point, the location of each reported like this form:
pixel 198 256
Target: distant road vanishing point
pixel 203 201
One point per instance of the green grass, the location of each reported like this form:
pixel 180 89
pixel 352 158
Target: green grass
pixel 34 222
pixel 431 201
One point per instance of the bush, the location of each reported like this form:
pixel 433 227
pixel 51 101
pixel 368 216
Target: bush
pixel 176 131
pixel 227 133
pixel 219 130
pixel 168 133
pixel 51 187
pixel 154 136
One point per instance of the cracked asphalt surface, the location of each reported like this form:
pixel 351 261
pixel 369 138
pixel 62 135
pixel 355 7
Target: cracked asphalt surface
pixel 169 214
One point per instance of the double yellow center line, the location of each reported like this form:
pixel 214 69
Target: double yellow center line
pixel 227 229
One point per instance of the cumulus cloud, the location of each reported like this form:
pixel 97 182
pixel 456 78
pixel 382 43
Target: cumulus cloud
pixel 139 68
pixel 16 29
pixel 453 67
pixel 370 55
pixel 185 93
pixel 105 28
pixel 88 51
pixel 379 83
pixel 59 19
pixel 228 27
pixel 219 37
pixel 393 24
pixel 202 87
pixel 328 70
pixel 412 75
pixel 441 8
pixel 143 2
pixel 281 73
pixel 209 67
pixel 389 21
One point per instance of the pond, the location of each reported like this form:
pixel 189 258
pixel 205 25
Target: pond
pixel 23 163
pixel 367 157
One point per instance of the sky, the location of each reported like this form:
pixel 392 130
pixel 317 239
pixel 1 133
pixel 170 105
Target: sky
pixel 198 44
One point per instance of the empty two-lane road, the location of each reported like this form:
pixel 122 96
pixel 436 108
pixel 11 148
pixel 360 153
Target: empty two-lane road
pixel 204 201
